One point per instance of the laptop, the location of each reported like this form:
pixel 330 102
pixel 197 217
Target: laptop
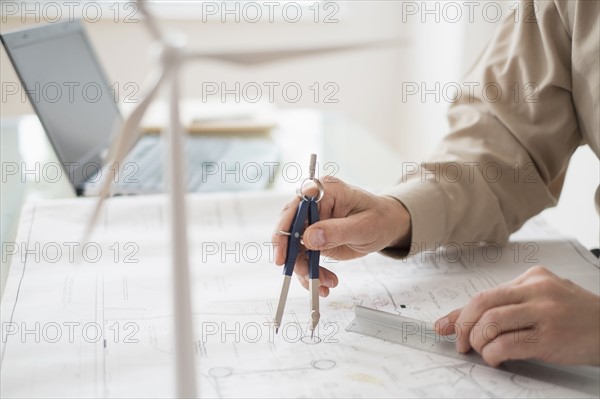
pixel 76 106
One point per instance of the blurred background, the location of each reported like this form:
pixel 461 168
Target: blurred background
pixel 429 47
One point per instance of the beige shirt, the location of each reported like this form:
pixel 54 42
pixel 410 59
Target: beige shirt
pixel 507 153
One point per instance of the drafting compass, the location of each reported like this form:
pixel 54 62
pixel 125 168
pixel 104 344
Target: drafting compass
pixel 306 215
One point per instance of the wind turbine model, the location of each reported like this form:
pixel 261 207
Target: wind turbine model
pixel 171 55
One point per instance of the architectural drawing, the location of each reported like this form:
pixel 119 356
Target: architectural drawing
pixel 127 347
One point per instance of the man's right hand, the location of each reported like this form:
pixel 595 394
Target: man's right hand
pixel 353 223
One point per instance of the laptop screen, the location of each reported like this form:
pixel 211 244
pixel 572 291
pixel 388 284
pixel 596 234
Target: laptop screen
pixel 69 92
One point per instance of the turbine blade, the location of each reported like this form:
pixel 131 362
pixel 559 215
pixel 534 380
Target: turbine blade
pixel 151 23
pixel 123 142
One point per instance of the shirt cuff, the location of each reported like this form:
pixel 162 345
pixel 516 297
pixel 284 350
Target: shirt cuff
pixel 426 203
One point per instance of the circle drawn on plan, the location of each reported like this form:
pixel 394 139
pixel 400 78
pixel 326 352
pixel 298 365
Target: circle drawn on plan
pixel 323 364
pixel 220 372
pixel 310 341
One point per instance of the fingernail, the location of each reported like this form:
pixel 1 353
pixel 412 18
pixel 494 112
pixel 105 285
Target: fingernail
pixel 316 237
pixel 460 347
pixel 305 277
pixel 441 323
pixel 322 292
pixel 327 282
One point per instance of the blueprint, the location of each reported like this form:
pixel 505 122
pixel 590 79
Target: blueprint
pixel 95 319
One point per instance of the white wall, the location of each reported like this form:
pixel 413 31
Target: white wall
pixel 366 79
pixel 370 81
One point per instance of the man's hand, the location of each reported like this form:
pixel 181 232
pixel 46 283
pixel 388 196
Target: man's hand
pixel 538 315
pixel 352 223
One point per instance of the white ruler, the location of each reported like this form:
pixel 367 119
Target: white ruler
pixel 420 335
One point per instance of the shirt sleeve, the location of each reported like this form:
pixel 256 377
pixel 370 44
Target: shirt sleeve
pixel 510 142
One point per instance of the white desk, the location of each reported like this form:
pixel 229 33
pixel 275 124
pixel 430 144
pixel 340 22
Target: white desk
pixel 235 293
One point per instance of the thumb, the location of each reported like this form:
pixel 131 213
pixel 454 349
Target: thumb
pixel 332 233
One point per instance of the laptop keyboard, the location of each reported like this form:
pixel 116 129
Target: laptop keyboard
pixel 212 164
